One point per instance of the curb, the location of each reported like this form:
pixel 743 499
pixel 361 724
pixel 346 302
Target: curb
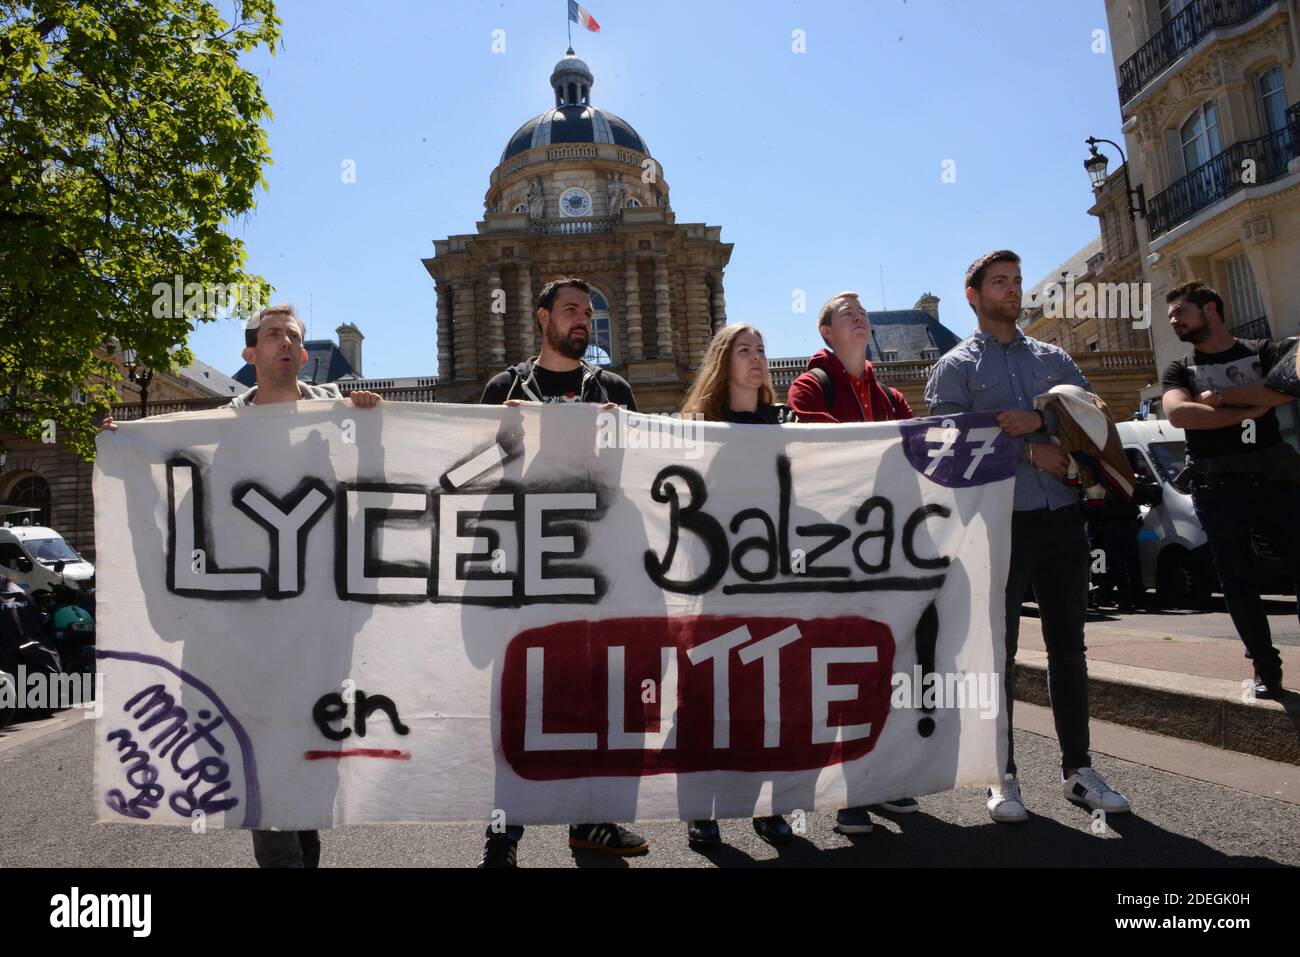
pixel 1209 711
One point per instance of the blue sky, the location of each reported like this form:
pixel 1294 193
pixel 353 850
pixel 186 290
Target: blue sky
pixel 823 168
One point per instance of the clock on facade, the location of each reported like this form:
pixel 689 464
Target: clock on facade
pixel 575 201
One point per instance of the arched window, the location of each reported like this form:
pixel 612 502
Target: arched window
pixel 1200 136
pixel 600 350
pixel 1272 100
pixel 521 208
pixel 633 203
pixel 30 491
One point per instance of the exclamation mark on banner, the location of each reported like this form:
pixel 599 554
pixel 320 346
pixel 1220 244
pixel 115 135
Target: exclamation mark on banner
pixel 927 640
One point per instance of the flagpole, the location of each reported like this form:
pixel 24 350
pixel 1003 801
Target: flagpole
pixel 568 23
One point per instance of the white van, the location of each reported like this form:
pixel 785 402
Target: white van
pixel 29 554
pixel 1175 555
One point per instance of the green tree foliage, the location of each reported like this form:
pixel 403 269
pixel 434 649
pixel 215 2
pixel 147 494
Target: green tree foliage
pixel 130 137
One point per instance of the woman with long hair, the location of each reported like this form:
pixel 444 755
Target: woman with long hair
pixel 734 385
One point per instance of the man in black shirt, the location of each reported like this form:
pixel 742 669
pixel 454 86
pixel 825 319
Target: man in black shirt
pixel 1244 477
pixel 560 374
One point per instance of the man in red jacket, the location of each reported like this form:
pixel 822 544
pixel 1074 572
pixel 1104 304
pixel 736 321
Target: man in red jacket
pixel 839 385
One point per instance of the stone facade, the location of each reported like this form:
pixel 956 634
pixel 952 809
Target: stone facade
pixel 597 210
pixel 1095 301
pixel 1234 219
pixel 1095 304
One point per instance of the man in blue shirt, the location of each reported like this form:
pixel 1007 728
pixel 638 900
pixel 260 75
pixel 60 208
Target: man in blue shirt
pixel 999 368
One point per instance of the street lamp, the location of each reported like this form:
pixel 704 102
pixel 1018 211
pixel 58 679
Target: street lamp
pixel 1096 164
pixel 141 376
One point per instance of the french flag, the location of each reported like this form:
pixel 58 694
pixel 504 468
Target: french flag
pixel 579 14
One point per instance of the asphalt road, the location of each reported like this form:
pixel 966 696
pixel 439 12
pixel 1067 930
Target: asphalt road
pixel 46 820
pixel 1212 622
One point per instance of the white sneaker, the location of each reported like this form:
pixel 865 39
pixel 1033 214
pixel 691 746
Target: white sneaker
pixel 1088 787
pixel 1005 805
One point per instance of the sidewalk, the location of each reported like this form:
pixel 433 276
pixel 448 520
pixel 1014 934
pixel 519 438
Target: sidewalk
pixel 1179 674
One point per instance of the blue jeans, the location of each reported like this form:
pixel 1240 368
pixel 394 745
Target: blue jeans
pixel 1229 511
pixel 1049 549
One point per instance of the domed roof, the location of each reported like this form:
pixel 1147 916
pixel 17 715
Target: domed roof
pixel 573 119
pixel 573 124
pixel 570 63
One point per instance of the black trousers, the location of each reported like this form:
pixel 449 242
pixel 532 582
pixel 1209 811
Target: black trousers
pixel 1049 549
pixel 1230 510
pixel 1118 540
pixel 286 848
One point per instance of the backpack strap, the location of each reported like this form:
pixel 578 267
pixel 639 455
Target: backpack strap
pixel 828 387
pixel 514 381
pixel 828 391
pixel 893 400
pixel 596 375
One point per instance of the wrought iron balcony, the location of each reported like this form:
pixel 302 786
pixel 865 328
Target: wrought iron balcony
pixel 1223 175
pixel 1255 329
pixel 1178 36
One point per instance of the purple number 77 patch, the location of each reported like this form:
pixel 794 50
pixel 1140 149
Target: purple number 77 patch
pixel 960 451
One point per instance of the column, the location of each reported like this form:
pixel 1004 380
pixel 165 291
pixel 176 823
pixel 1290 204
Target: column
pixel 465 348
pixel 719 302
pixel 446 361
pixel 527 315
pixel 496 325
pixel 697 315
pixel 663 311
pixel 632 313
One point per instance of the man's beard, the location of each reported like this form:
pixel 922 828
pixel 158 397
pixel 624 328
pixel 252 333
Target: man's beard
pixel 1194 336
pixel 566 346
pixel 1004 311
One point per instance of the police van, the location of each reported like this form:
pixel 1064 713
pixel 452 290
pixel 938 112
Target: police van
pixel 35 556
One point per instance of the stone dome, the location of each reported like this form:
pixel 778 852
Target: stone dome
pixel 573 119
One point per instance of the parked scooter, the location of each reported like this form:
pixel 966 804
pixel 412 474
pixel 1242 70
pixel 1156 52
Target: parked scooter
pixel 68 625
pixel 23 644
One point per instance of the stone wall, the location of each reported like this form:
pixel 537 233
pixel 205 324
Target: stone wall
pixel 72 509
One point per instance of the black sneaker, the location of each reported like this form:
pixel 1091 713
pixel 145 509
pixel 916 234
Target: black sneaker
pixel 1268 684
pixel 899 806
pixel 703 834
pixel 853 820
pixel 773 829
pixel 608 838
pixel 499 852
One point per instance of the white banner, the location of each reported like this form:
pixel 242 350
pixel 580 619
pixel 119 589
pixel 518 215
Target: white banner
pixel 314 615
